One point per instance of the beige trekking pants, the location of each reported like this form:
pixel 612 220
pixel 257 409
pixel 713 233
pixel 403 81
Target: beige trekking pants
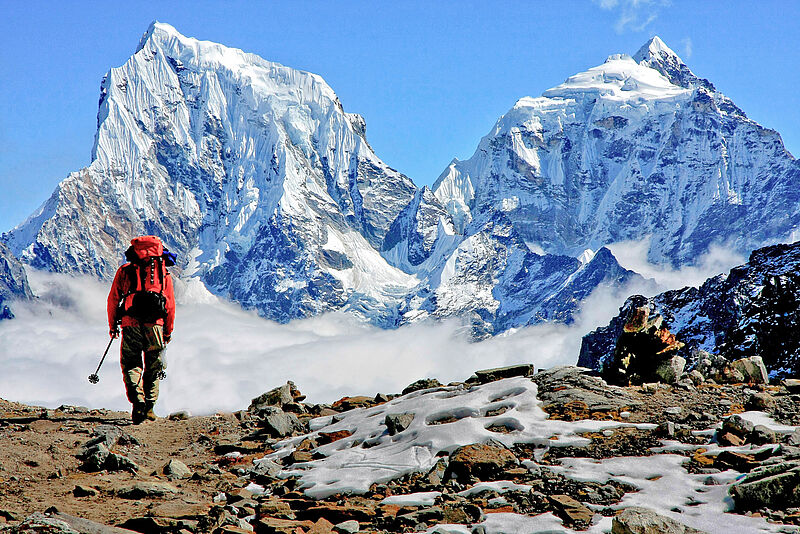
pixel 139 374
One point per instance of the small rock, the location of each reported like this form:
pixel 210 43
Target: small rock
pixel 673 410
pixel 347 527
pixel 182 415
pixel 730 439
pixel 146 490
pixel 574 513
pixel 793 439
pixel 84 491
pixel 637 520
pixel 425 383
pixel 483 461
pixel 265 468
pixel 738 425
pixel 762 435
pixel 696 377
pixel 118 462
pixel 397 423
pixel 760 401
pixel 177 469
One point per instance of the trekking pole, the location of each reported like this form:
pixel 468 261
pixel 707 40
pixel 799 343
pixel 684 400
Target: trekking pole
pixel 93 378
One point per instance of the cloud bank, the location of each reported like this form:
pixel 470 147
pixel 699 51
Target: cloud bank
pixel 222 356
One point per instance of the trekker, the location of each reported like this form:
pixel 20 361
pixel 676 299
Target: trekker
pixel 141 300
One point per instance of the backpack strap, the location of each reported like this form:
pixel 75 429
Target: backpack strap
pixel 161 272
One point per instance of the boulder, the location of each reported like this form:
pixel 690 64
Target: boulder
pixel 54 522
pixel 637 520
pixel 425 383
pixel 568 392
pixel 147 490
pixel 671 369
pixel 490 375
pixel 482 461
pixel 774 486
pixel 752 370
pixel 278 396
pixel 176 469
pixel 397 423
pixel 347 527
pixel 277 423
pixel 645 351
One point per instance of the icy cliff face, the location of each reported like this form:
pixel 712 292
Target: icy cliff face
pixel 13 282
pixel 754 310
pixel 634 147
pixel 251 169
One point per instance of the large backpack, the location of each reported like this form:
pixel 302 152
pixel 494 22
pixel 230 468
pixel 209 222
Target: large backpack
pixel 146 280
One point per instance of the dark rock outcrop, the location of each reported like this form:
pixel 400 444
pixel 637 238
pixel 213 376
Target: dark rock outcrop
pixel 754 310
pixel 13 282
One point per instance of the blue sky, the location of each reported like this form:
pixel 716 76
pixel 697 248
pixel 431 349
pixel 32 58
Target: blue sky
pixel 431 78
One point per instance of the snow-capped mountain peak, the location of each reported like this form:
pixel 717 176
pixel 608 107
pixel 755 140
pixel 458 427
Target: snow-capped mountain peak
pixel 636 147
pixel 618 77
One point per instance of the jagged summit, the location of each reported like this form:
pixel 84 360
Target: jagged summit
pixel 655 47
pixel 637 147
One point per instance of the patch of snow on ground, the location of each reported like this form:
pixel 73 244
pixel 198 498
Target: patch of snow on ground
pixel 350 467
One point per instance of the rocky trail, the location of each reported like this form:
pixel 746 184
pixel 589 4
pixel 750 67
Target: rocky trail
pixel 509 450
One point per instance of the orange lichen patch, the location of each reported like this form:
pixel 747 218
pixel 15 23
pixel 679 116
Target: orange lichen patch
pixel 637 320
pixel 390 509
pixel 501 510
pixel 699 458
pixel 226 461
pixel 577 410
pixel 736 407
pixel 330 437
pixel 654 477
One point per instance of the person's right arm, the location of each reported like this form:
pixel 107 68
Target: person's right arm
pixel 114 297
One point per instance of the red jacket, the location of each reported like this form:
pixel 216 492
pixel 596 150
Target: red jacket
pixel 143 247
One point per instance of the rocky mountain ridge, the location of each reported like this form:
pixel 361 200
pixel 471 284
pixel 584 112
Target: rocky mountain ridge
pixel 750 311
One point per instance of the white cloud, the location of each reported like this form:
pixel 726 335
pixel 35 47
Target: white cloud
pixel 633 15
pixel 222 356
pixel 633 255
pixel 687 47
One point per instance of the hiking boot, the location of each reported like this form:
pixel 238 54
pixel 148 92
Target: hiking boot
pixel 138 414
pixel 149 414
